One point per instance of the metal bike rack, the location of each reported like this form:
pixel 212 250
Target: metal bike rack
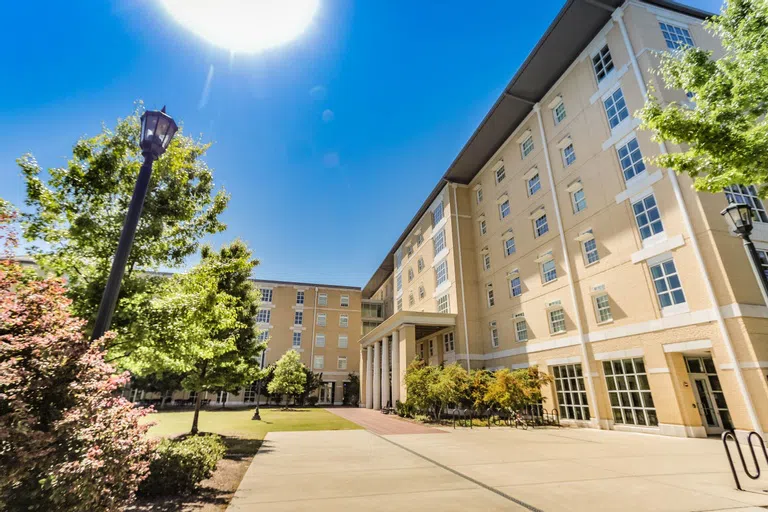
pixel 732 435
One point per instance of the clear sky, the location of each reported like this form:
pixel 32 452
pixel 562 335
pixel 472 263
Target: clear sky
pixel 328 145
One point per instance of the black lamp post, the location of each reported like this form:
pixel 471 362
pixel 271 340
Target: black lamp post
pixel 157 130
pixel 739 218
pixel 257 413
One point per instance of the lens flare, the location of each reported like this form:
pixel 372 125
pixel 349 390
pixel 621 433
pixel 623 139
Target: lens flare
pixel 244 26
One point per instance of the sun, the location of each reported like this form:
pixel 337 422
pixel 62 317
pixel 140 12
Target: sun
pixel 244 26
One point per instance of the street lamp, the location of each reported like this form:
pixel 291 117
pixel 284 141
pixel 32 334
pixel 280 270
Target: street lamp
pixel 256 413
pixel 739 218
pixel 157 130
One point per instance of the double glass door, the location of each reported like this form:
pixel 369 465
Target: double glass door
pixel 710 399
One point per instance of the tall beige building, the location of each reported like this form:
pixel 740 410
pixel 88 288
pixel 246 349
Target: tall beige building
pixel 553 241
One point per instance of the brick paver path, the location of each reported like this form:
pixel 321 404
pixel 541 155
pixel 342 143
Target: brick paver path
pixel 382 424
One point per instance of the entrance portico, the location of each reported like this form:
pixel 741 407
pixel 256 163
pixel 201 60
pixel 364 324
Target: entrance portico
pixel 389 348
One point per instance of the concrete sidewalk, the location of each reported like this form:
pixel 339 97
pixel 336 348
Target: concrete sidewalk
pixel 496 469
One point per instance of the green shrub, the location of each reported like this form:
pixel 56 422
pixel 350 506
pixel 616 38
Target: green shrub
pixel 180 464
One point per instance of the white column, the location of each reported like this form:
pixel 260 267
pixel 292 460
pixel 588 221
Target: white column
pixel 377 375
pixel 369 377
pixel 384 371
pixel 395 367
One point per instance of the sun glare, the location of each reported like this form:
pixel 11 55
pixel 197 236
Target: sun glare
pixel 244 26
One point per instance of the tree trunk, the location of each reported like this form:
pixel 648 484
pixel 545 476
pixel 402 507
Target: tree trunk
pixel 198 402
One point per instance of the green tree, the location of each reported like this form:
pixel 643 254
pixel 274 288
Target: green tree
pixel 724 132
pixel 201 324
pixel 288 378
pixel 77 213
pixel 514 389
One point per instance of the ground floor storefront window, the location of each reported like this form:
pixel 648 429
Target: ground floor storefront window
pixel 571 392
pixel 629 392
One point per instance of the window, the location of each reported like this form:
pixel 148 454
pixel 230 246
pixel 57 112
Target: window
pixel 411 300
pixel 515 287
pixel 763 255
pixel 431 348
pixel 399 281
pixel 500 174
pixel 479 195
pixel 534 184
pixel 559 113
pixel 486 262
pixel 747 195
pixel 420 264
pixel 602 63
pixel 422 292
pixel 399 304
pixel 343 341
pixel 341 363
pixel 509 246
pixel 298 318
pixel 526 147
pixel 557 321
pixel 343 320
pixel 647 216
pixel 540 225
pixel 410 274
pixel 548 271
pixel 571 392
pixel 616 108
pixel 669 290
pixel 521 328
pixel 489 294
pixel 590 252
pixel 320 340
pixel 345 301
pixel 448 343
pixel 494 335
pixel 603 309
pixel 297 339
pixel 300 297
pixel 631 159
pixel 441 273
pixel 439 241
pixel 266 295
pixel 263 316
pixel 322 299
pixel 319 362
pixel 504 209
pixel 569 155
pixel 675 37
pixel 483 227
pixel 578 200
pixel 321 319
pixel 629 392
pixel 437 214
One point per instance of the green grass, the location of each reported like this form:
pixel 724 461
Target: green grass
pixel 238 422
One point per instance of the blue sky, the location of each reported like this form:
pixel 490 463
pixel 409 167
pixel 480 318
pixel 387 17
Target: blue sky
pixel 328 145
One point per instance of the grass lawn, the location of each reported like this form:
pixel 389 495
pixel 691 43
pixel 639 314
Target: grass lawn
pixel 238 422
pixel 243 437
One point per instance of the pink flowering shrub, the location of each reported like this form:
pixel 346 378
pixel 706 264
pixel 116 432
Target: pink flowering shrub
pixel 68 441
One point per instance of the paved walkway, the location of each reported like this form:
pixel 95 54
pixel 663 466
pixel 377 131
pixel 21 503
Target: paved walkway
pixel 496 469
pixel 382 424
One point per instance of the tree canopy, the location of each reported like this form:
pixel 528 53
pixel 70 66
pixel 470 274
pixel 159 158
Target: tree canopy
pixel 75 216
pixel 724 130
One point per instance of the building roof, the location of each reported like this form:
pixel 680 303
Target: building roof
pixel 574 27
pixel 297 283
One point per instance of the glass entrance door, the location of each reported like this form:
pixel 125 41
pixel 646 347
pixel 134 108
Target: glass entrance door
pixel 710 399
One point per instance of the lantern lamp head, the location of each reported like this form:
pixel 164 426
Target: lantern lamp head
pixel 157 130
pixel 739 218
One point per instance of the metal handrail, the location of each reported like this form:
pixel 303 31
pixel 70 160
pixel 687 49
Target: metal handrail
pixel 732 434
